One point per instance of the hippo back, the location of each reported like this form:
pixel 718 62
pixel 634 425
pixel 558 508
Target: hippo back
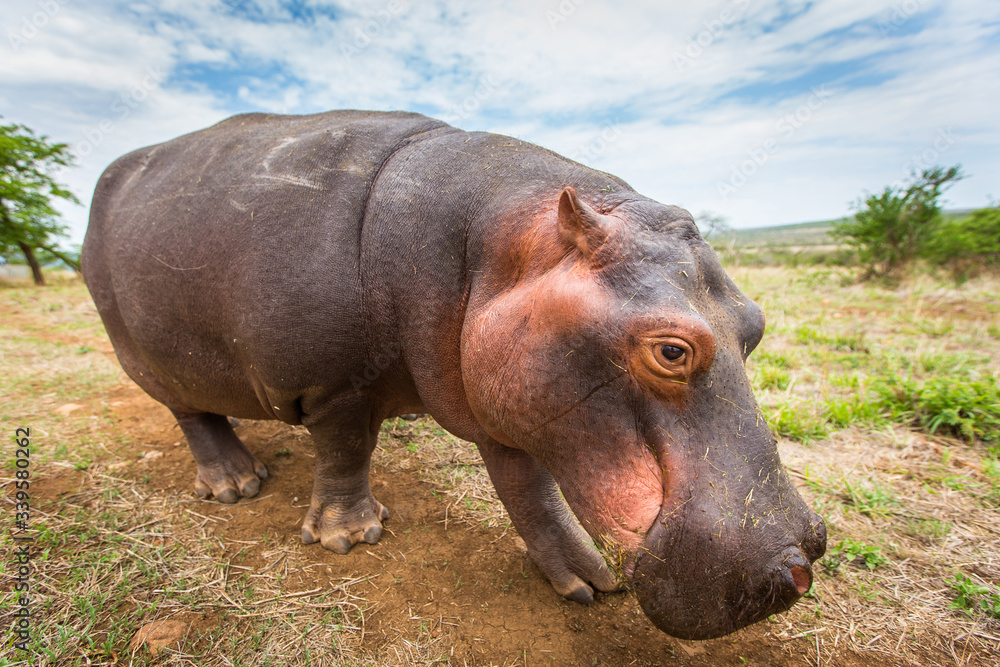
pixel 250 226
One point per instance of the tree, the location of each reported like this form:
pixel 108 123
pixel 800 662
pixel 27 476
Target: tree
pixel 710 224
pixel 28 220
pixel 893 228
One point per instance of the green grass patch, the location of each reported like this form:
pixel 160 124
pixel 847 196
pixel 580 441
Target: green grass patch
pixel 928 529
pixel 934 393
pixel 974 598
pixel 990 466
pixel 849 551
pixel 855 409
pixel 793 421
pixel 963 407
pixel 847 342
pixel 771 377
pixel 108 582
pixel 765 357
pixel 869 497
pixel 770 370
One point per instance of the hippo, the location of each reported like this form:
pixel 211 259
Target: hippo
pixel 337 269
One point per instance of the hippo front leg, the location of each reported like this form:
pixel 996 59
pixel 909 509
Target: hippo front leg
pixel 556 542
pixel 226 468
pixel 343 511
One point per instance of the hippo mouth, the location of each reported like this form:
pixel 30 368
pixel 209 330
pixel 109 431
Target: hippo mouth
pixel 700 574
pixel 691 601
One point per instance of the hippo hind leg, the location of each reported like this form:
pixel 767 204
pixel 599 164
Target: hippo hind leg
pixel 343 511
pixel 226 468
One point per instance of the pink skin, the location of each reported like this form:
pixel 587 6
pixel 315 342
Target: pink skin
pixel 671 501
pixel 615 489
pixel 618 509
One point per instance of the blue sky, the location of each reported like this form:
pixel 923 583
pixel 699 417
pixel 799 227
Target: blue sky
pixel 764 112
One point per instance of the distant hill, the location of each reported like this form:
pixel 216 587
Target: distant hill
pixel 804 233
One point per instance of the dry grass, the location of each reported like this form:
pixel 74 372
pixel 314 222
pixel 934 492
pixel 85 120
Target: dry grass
pixel 452 465
pixel 869 489
pixel 111 558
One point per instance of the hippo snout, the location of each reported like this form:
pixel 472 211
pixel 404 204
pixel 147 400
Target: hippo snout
pixel 695 582
pixel 784 580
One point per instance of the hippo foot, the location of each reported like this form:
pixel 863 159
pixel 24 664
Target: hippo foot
pixel 338 528
pixel 226 468
pixel 555 540
pixel 237 476
pixel 574 566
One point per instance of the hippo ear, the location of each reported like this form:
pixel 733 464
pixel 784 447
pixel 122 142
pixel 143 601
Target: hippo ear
pixel 579 224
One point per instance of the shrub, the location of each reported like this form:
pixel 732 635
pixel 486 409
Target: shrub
pixel 967 246
pixel 893 228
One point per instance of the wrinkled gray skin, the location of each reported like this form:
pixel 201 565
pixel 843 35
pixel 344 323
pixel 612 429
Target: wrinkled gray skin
pixel 338 269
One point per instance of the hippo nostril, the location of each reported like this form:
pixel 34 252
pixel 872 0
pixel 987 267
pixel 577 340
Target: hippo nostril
pixel 795 574
pixel 802 578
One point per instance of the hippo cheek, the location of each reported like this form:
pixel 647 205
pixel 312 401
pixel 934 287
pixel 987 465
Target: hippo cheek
pixel 616 499
pixel 697 581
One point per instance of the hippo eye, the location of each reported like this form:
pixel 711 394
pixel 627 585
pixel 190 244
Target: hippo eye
pixel 668 357
pixel 672 353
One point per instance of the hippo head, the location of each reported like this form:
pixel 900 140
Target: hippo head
pixel 608 343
